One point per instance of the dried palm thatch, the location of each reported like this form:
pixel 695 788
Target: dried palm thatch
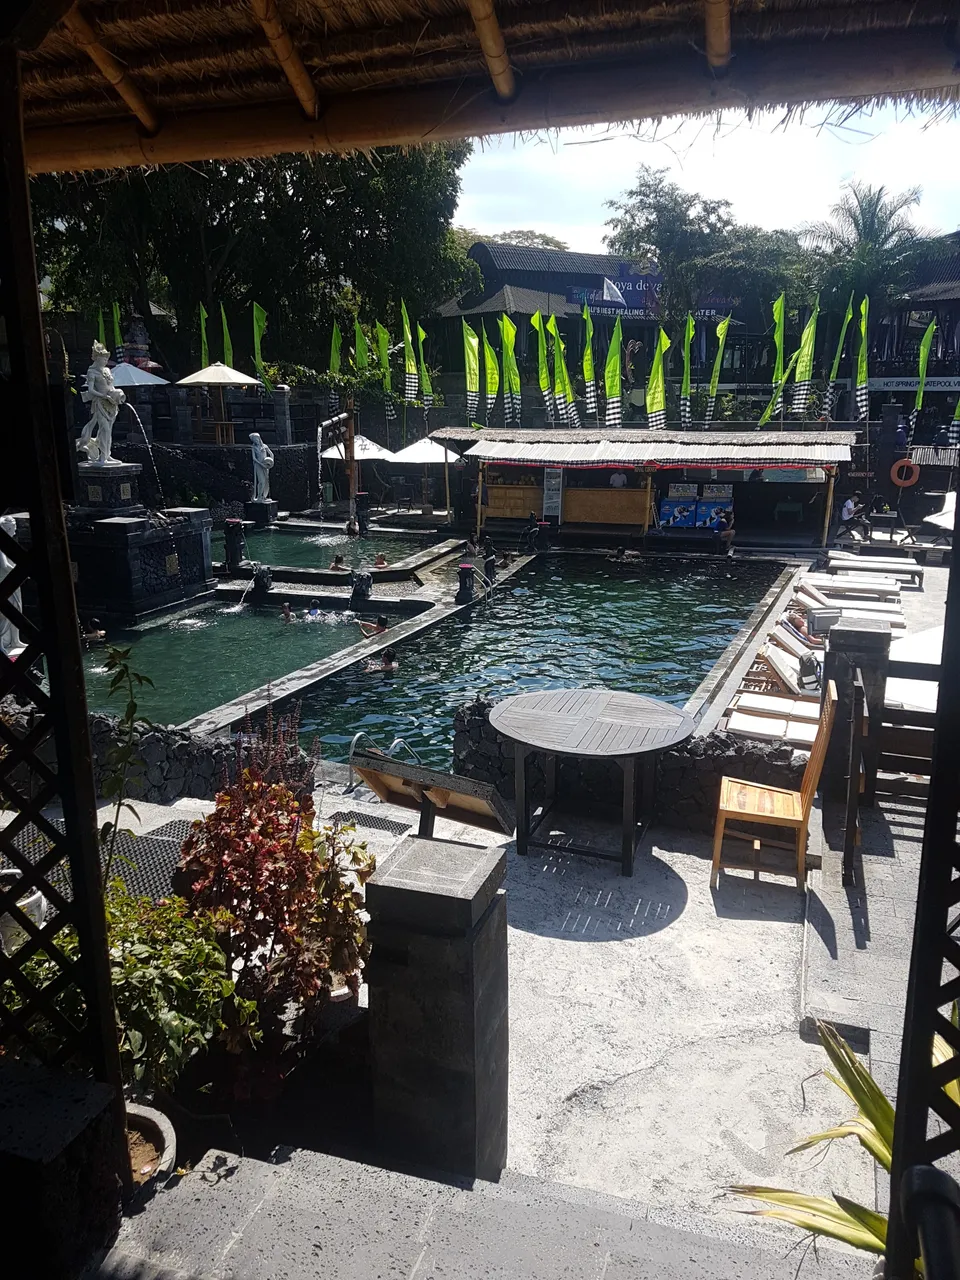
pixel 226 78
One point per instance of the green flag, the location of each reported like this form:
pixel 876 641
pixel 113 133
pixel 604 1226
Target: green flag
pixel 804 378
pixel 722 328
pixel 657 386
pixel 589 373
pixel 543 369
pixel 471 364
pixel 956 412
pixel 775 399
pixel 101 329
pixel 259 324
pixel 863 377
pixel 778 333
pixel 835 367
pixel 688 331
pixel 204 349
pixel 562 386
pixel 383 349
pixel 491 369
pixel 925 344
pixel 511 371
pixel 410 386
pixel 361 352
pixel 117 335
pixel 611 378
pixel 227 344
pixel 426 386
pixel 336 342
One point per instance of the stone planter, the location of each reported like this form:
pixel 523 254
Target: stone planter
pixel 157 1129
pixel 33 905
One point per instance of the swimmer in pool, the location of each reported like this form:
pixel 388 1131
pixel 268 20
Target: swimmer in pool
pixel 287 614
pixel 313 613
pixel 373 628
pixel 388 662
pixel 381 561
pixel 337 564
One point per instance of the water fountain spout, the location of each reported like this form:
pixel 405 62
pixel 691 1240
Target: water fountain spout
pixel 153 461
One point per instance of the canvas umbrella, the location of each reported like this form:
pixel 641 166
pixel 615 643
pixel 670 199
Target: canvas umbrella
pixel 364 450
pixel 131 375
pixel 219 375
pixel 426 451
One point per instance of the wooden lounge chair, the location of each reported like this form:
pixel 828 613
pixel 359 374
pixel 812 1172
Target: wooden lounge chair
pixel 430 791
pixel 907 568
pixel 847 584
pixel 773 704
pixel 773 806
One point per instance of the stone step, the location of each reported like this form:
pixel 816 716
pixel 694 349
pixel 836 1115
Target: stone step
pixel 315 1215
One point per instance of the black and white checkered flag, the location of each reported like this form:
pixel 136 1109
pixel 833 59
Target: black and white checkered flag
pixel 473 405
pixel 711 405
pixel 685 415
pixel 830 400
pixel 411 386
pixel 801 398
pixel 912 426
pixel 591 399
pixel 511 407
pixel 333 403
pixel 573 417
pixel 614 414
pixel 427 400
pixel 778 407
pixel 549 404
pixel 389 409
pixel 953 433
pixel 657 420
pixel 863 403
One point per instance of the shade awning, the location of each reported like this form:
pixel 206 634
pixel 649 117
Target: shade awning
pixel 218 375
pixel 646 450
pixel 131 375
pixel 364 450
pixel 426 451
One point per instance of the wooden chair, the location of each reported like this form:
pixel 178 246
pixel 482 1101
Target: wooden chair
pixel 773 806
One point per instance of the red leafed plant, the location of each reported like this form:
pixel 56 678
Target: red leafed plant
pixel 292 900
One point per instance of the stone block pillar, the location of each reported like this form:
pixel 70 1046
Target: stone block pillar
pixel 58 1170
pixel 856 643
pixel 281 414
pixel 438 1005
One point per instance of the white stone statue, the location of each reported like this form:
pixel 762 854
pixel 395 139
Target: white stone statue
pixel 104 400
pixel 262 462
pixel 10 640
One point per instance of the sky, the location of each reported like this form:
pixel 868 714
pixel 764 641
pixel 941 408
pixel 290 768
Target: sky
pixel 774 175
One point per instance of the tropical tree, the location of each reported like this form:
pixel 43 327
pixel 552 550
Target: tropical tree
pixel 528 239
pixel 303 236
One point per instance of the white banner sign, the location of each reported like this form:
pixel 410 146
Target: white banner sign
pixel 911 384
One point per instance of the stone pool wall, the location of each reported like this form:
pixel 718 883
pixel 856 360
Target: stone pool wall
pixel 221 476
pixel 688 784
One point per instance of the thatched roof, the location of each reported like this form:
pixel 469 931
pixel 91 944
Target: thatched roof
pixel 151 81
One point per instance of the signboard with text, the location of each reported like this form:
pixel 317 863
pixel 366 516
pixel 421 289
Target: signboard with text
pixel 552 493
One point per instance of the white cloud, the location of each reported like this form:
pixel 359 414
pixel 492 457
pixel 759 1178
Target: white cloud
pixel 777 176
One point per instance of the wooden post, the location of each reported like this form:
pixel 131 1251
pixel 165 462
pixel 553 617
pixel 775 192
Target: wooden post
pixel 446 480
pixel 350 462
pixel 481 472
pixel 829 510
pixel 646 513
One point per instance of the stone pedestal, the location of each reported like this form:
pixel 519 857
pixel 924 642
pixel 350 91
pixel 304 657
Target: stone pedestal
pixel 437 979
pixel 855 643
pixel 58 1170
pixel 261 513
pixel 112 489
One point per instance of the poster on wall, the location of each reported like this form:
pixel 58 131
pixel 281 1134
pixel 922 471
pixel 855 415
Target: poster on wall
pixel 718 491
pixel 552 493
pixel 677 513
pixel 682 491
pixel 710 512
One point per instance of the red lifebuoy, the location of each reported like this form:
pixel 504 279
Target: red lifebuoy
pixel 904 473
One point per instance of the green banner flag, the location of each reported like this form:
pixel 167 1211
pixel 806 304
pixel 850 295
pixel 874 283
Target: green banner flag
pixel 361 351
pixel 259 325
pixel 925 344
pixel 336 342
pixel 722 328
pixel 611 378
pixel 117 335
pixel 511 371
pixel 562 385
pixel 863 376
pixel 491 369
pixel 956 412
pixel 426 386
pixel 589 373
pixel 543 369
pixel 410 385
pixel 227 344
pixel 775 399
pixel 804 377
pixel 688 333
pixel 835 367
pixel 657 385
pixel 779 319
pixel 204 349
pixel 383 349
pixel 471 364
pixel 101 329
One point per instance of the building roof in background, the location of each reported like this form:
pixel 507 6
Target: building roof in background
pixel 515 257
pixel 514 300
pixel 938 280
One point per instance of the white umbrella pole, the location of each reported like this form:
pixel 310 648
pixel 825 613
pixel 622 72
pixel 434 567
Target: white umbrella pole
pixel 348 457
pixel 446 479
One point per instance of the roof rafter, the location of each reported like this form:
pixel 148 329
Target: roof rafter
pixel 85 37
pixel 716 18
pixel 494 47
pixel 285 51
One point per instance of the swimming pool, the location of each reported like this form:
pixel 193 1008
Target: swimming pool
pixel 656 628
pixel 213 655
pixel 316 550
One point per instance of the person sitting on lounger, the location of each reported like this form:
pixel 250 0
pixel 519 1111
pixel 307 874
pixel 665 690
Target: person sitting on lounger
pixel 373 628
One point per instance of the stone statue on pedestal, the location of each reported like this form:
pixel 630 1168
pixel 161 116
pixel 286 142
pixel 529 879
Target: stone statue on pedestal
pixel 104 400
pixel 262 462
pixel 9 635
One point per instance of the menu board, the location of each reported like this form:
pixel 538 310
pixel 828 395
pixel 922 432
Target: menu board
pixel 552 493
pixel 681 491
pixel 718 490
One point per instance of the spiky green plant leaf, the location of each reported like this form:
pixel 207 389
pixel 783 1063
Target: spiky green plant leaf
pixel 847 1222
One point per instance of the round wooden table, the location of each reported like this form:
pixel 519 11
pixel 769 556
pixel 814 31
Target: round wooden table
pixel 596 724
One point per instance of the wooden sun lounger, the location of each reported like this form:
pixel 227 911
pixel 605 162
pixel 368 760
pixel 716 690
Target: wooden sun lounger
pixel 772 704
pixel 906 569
pixel 849 585
pixel 796 733
pixel 430 791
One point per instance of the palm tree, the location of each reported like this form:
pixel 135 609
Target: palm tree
pixel 869 244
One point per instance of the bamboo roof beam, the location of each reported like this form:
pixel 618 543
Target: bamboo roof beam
pixel 85 37
pixel 494 47
pixel 285 51
pixel 860 67
pixel 716 19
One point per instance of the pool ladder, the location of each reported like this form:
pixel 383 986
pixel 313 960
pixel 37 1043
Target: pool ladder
pixel 363 736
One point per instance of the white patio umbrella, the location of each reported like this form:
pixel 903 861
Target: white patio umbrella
pixel 364 450
pixel 131 375
pixel 218 374
pixel 426 452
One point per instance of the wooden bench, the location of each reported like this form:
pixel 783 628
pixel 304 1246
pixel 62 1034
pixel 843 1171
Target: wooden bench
pixel 907 568
pixel 430 791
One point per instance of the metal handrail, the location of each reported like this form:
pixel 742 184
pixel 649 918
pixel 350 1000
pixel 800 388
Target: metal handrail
pixel 401 742
pixel 353 746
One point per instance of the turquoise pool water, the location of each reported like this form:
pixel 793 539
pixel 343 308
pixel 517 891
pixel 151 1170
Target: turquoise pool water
pixel 656 629
pixel 213 655
pixel 316 550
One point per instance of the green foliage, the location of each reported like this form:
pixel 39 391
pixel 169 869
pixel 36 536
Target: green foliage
pixel 122 755
pixel 286 232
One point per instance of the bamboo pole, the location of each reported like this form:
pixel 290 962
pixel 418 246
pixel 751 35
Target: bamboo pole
pixel 829 509
pixel 716 19
pixel 84 37
pixel 647 508
pixel 864 65
pixel 291 64
pixel 494 47
pixel 350 462
pixel 446 479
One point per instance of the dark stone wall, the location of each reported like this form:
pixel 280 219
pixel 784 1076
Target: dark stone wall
pixel 688 777
pixel 221 476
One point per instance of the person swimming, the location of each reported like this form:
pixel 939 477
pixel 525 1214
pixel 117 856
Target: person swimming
pixel 373 628
pixel 388 662
pixel 381 561
pixel 313 613
pixel 338 564
pixel 287 614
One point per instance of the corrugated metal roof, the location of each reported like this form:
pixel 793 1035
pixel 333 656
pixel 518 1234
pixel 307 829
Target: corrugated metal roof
pixel 515 257
pixel 653 450
pixel 514 300
pixel 928 455
pixel 639 435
